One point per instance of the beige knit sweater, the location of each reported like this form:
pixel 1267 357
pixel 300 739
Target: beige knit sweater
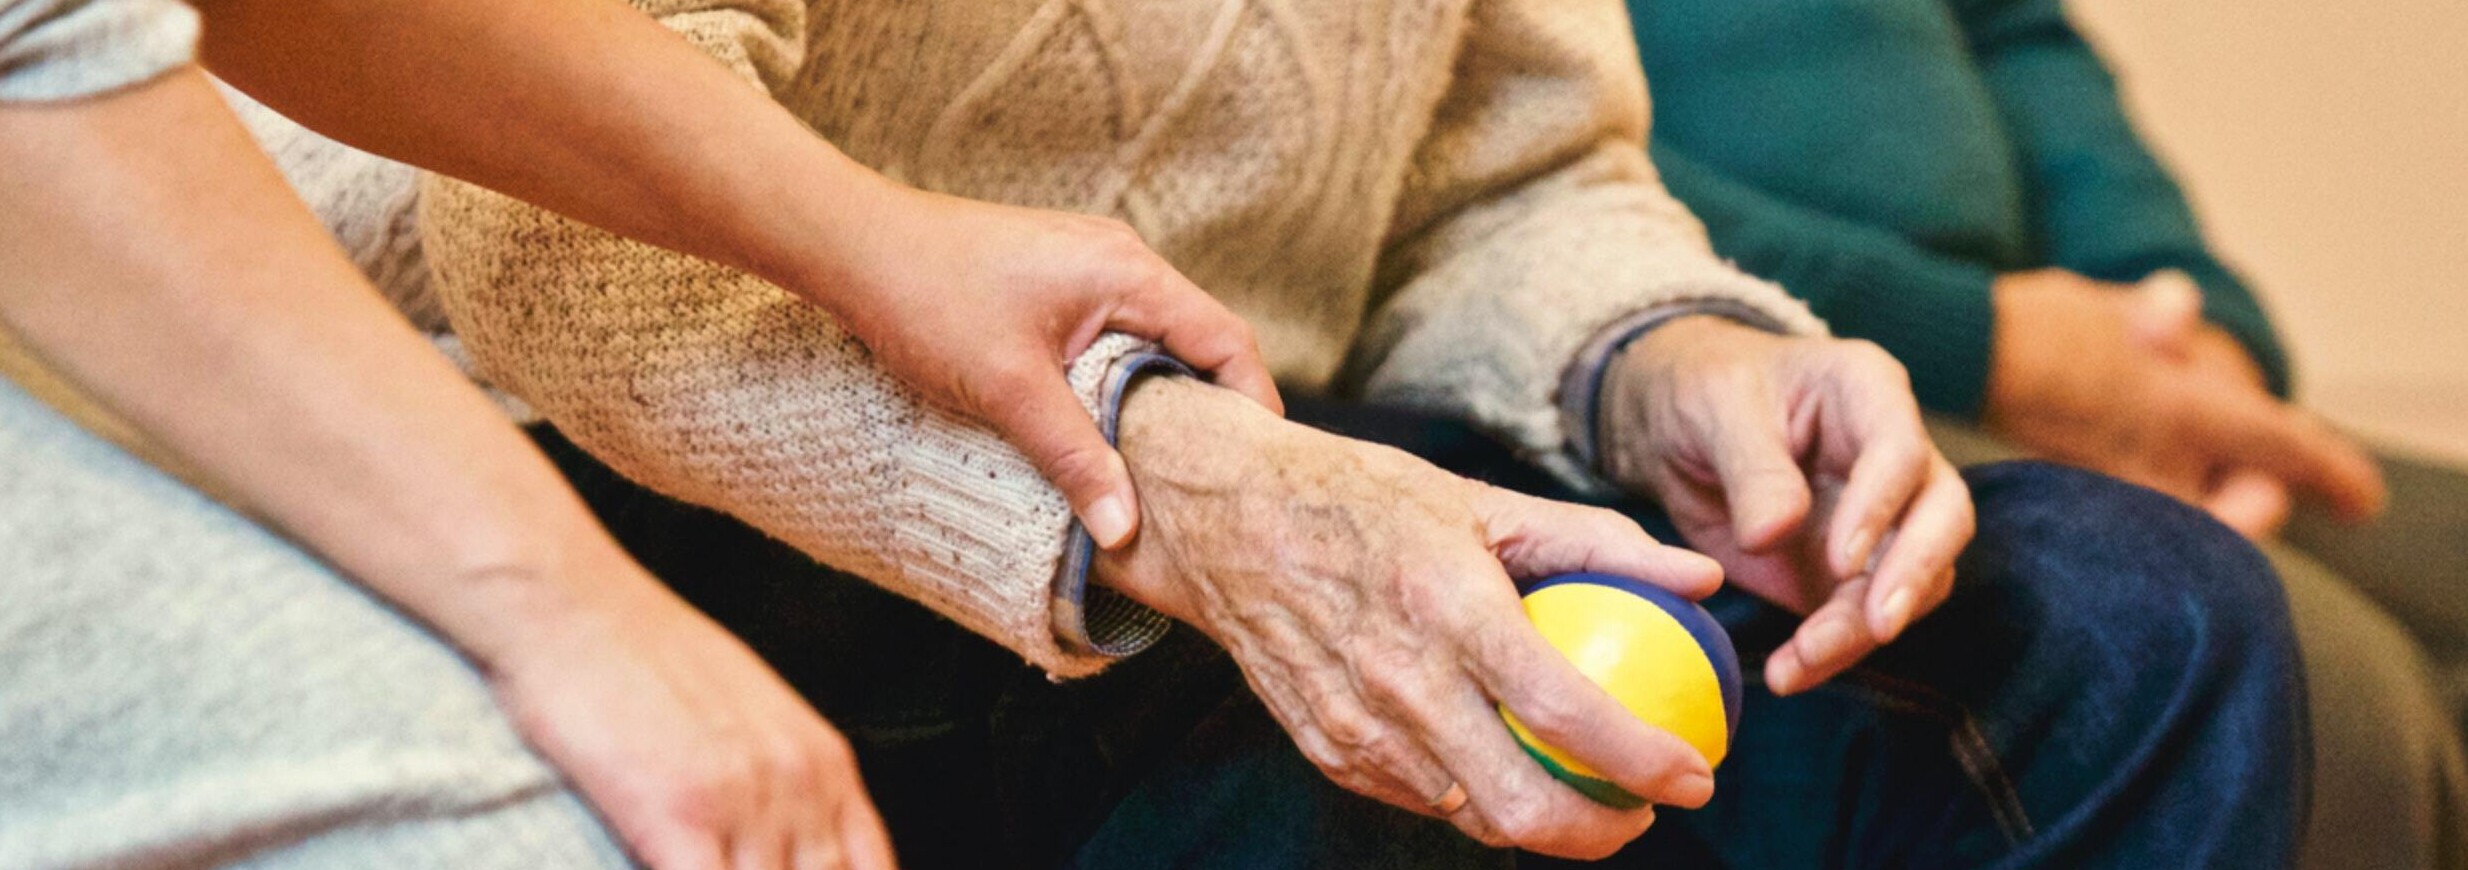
pixel 1431 202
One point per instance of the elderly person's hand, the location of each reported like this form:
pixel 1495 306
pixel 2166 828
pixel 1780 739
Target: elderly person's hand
pixel 2129 380
pixel 1367 597
pixel 1801 465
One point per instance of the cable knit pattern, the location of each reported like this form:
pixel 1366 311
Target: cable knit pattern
pixel 1434 202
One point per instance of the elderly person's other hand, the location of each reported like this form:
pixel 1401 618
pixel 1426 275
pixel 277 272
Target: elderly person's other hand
pixel 2129 380
pixel 1367 597
pixel 1801 465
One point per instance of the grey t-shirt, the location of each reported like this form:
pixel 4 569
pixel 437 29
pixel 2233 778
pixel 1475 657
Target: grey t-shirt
pixel 66 49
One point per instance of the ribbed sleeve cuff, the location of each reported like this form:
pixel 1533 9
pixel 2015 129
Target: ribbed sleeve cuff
pixel 67 49
pixel 1094 620
pixel 1938 317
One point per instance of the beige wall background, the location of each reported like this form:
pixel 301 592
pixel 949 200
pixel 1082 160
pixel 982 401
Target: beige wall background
pixel 2326 147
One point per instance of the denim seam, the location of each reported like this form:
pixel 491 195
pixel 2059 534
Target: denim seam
pixel 1964 739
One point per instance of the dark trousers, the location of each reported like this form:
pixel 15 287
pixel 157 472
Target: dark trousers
pixel 2113 684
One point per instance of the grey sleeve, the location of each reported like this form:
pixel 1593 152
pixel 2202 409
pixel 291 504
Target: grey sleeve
pixel 66 49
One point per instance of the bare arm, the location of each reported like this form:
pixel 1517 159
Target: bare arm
pixel 594 110
pixel 585 107
pixel 155 258
pixel 162 266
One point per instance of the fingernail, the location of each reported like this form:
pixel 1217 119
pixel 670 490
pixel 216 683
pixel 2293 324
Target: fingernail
pixel 1108 521
pixel 1693 789
pixel 1782 674
pixel 1855 553
pixel 1897 613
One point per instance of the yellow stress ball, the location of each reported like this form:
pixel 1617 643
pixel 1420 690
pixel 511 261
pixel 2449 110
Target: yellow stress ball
pixel 1658 654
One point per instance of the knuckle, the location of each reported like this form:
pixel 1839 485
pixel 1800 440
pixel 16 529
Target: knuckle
pixel 1122 245
pixel 1145 272
pixel 1078 466
pixel 795 762
pixel 1388 751
pixel 1331 763
pixel 1113 228
pixel 832 751
pixel 1350 729
pixel 1866 361
pixel 1391 676
pixel 1871 355
pixel 700 798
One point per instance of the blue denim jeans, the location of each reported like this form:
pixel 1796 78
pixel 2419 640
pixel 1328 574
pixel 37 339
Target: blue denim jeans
pixel 2114 683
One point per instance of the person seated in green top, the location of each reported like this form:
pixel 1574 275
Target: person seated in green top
pixel 1956 181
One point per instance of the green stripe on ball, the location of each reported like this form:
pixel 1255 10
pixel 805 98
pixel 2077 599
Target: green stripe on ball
pixel 1603 791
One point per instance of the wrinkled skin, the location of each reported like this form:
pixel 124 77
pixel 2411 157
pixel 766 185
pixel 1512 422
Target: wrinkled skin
pixel 1802 466
pixel 1367 597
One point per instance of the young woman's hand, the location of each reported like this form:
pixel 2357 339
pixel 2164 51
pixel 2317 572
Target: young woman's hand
pixel 156 261
pixel 981 307
pixel 696 755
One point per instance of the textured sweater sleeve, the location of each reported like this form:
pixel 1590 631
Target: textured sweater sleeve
pixel 1531 223
pixel 2102 205
pixel 66 49
pixel 1933 312
pixel 716 388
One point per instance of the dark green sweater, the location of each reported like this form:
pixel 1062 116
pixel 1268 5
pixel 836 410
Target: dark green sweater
pixel 1885 159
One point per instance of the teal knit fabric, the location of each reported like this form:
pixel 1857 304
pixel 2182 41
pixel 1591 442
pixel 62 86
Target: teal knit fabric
pixel 1886 159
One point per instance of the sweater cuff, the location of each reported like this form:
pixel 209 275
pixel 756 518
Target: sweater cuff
pixel 1581 385
pixel 1094 620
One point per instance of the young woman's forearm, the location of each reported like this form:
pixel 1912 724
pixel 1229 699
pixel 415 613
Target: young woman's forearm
pixel 588 108
pixel 152 255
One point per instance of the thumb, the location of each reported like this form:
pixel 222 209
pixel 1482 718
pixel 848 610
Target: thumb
pixel 2165 311
pixel 1046 421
